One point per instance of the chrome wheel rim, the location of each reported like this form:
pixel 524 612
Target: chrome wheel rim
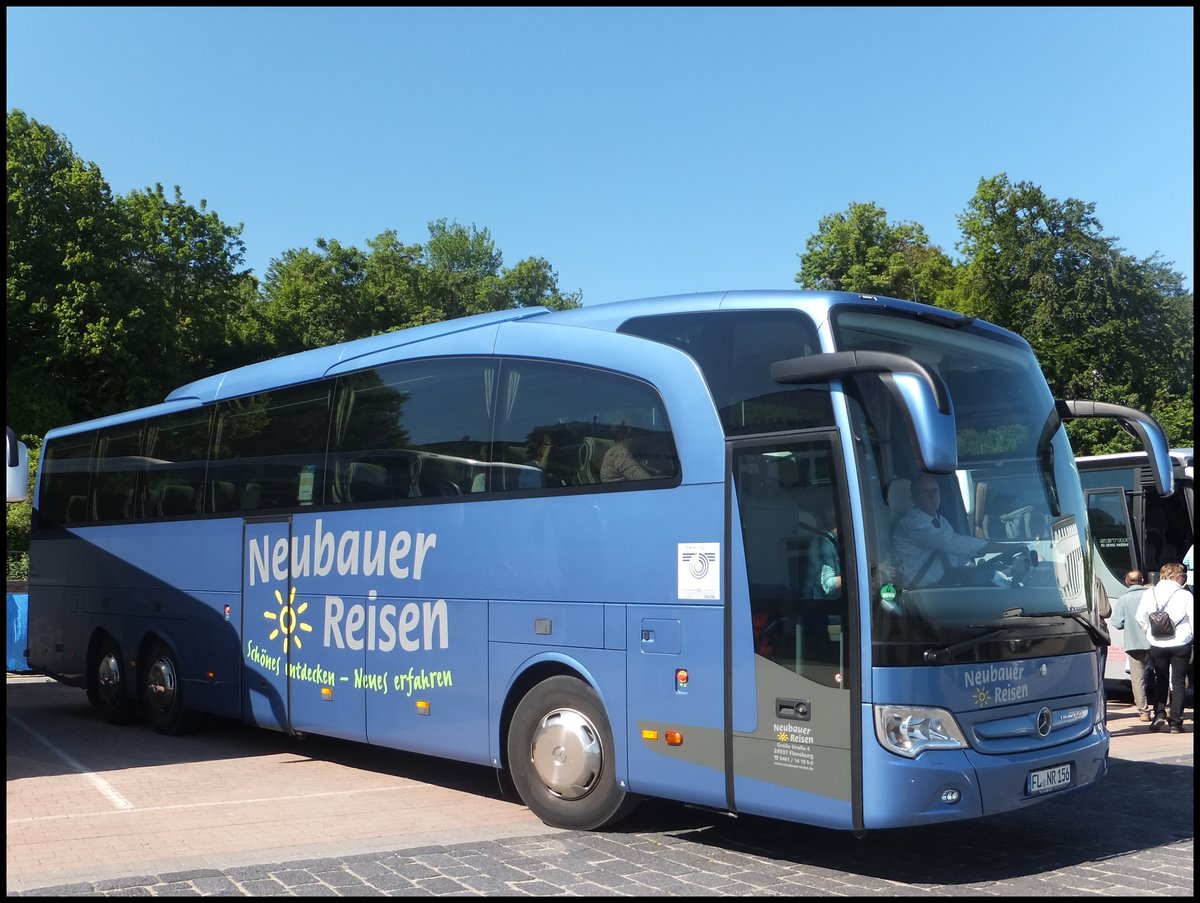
pixel 567 754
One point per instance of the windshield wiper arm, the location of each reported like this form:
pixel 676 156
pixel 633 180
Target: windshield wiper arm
pixel 1018 618
pixel 1098 634
pixel 946 653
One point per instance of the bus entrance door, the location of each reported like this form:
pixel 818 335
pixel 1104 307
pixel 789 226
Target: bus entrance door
pixel 791 646
pixel 268 620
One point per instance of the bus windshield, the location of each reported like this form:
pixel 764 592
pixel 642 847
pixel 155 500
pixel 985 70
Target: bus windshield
pixel 1012 509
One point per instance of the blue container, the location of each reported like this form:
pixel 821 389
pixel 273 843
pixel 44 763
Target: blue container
pixel 18 631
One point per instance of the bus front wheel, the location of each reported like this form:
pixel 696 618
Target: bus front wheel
pixel 106 689
pixel 162 694
pixel 561 757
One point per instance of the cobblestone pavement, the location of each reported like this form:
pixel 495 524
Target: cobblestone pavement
pixel 1131 836
pixel 384 824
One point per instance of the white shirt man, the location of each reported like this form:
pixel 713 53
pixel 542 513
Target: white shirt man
pixel 928 546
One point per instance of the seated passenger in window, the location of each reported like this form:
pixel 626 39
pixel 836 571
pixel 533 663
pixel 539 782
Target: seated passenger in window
pixel 824 557
pixel 619 463
pixel 537 455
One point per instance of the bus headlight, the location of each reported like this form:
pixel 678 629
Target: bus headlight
pixel 910 730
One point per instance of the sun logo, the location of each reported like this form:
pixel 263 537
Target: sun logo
pixel 289 619
pixel 981 696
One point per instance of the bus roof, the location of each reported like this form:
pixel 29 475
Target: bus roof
pixel 307 366
pixel 817 303
pixel 317 362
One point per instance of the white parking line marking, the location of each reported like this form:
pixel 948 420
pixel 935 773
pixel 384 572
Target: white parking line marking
pixel 108 790
pixel 238 802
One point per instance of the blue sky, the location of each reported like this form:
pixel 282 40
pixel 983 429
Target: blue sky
pixel 640 151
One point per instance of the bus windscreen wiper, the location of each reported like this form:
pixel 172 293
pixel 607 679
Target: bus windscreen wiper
pixel 1018 618
pixel 1098 634
pixel 946 653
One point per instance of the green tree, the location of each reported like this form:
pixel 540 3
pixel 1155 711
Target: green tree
pixel 185 263
pixel 111 302
pixel 316 298
pixel 1103 324
pixel 66 281
pixel 533 282
pixel 464 274
pixel 393 279
pixel 858 251
pixel 336 293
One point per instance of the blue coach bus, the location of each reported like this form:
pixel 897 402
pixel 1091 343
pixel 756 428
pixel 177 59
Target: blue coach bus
pixel 632 549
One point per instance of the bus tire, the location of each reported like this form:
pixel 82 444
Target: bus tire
pixel 162 693
pixel 561 757
pixel 107 687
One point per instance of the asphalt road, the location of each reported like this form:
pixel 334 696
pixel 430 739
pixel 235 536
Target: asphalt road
pixel 98 810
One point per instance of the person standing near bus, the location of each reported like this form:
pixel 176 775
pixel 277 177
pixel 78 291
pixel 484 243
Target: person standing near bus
pixel 1137 647
pixel 1169 655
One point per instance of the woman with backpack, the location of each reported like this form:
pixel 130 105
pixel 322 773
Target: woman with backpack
pixel 1165 616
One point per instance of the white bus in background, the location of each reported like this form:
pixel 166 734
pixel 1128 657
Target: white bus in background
pixel 17 457
pixel 1133 526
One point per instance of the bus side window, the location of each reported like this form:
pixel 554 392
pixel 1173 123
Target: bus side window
pixel 113 505
pixel 177 499
pixel 148 503
pixel 591 454
pixel 76 509
pixel 224 496
pixel 366 482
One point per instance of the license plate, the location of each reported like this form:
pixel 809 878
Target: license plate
pixel 1046 780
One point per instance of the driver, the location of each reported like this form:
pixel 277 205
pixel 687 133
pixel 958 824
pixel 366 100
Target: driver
pixel 931 553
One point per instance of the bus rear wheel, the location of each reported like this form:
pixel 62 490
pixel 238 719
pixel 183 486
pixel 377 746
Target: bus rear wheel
pixel 162 694
pixel 106 689
pixel 561 757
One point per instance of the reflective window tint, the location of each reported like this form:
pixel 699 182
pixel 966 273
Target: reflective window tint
pixel 269 451
pixel 412 430
pixel 65 468
pixel 172 476
pixel 118 461
pixel 559 423
pixel 735 350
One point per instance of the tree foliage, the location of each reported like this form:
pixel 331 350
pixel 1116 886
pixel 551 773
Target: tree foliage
pixel 185 264
pixel 859 251
pixel 1104 325
pixel 334 293
pixel 111 301
pixel 114 301
pixel 67 317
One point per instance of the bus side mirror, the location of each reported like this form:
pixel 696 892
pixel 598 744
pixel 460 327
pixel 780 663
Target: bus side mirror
pixel 1139 424
pixel 17 455
pixel 921 393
